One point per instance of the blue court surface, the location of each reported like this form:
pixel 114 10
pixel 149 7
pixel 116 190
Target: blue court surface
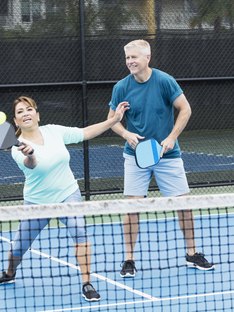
pixel 163 283
pixel 107 161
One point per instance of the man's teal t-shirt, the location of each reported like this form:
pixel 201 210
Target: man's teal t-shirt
pixel 151 112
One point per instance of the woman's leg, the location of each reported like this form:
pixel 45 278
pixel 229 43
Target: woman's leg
pixel 76 228
pixel 27 232
pixel 83 254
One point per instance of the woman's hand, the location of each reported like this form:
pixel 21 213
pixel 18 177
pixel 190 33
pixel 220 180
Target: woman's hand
pixel 30 159
pixel 120 110
pixel 26 149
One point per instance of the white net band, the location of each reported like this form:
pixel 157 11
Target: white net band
pixel 121 206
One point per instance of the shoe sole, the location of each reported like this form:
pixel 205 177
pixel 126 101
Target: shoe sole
pixel 90 300
pixel 193 265
pixel 7 282
pixel 127 275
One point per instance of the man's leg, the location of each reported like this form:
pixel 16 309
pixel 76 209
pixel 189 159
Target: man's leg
pixel 172 181
pixel 187 227
pixel 131 229
pixel 136 184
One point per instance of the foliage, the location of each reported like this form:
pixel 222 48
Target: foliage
pixel 115 17
pixel 214 13
pixel 63 19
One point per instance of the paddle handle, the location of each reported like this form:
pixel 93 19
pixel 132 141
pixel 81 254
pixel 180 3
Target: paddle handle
pixel 21 143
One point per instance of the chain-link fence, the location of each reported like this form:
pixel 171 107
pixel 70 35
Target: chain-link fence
pixel 67 55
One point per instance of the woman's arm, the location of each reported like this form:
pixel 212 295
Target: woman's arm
pixel 131 137
pixel 30 159
pixel 97 129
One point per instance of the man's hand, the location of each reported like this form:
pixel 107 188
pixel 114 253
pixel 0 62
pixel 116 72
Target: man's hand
pixel 167 145
pixel 132 138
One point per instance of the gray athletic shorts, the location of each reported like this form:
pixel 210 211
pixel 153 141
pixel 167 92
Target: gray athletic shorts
pixel 169 175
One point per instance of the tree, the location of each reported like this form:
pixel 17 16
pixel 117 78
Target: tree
pixel 214 13
pixel 116 15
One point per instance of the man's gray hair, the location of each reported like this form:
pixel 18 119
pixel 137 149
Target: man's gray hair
pixel 141 44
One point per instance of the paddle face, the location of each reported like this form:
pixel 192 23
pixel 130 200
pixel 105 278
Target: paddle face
pixel 7 136
pixel 147 153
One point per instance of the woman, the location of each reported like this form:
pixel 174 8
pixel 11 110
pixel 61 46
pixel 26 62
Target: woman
pixel 44 160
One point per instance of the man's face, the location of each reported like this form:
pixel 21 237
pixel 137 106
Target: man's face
pixel 136 61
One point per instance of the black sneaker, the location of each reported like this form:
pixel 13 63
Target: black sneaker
pixel 128 269
pixel 6 279
pixel 89 293
pixel 199 261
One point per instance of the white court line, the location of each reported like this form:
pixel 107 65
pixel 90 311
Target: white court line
pixel 101 277
pixel 98 276
pixel 117 284
pixel 160 219
pixel 141 301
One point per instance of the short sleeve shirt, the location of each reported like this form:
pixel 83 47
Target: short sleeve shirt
pixel 151 112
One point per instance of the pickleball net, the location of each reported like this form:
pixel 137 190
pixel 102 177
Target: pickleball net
pixel 49 278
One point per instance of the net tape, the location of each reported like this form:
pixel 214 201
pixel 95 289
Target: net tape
pixel 105 207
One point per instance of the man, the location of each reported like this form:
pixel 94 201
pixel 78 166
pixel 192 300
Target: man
pixel 152 95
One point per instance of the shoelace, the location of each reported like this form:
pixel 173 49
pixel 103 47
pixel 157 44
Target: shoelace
pixel 88 287
pixel 200 256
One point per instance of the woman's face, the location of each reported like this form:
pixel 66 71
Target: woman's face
pixel 26 117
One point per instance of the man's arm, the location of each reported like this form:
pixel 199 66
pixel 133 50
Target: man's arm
pixel 182 105
pixel 184 113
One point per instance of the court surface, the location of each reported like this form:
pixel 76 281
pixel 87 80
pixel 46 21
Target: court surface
pixel 163 283
pixel 107 162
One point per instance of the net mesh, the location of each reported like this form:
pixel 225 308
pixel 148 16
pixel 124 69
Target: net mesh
pixel 49 276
